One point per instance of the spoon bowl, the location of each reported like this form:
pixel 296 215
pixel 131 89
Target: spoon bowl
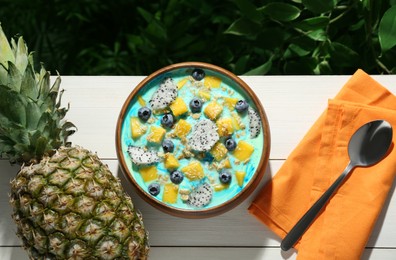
pixel 367 146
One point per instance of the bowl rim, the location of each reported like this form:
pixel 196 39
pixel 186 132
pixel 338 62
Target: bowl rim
pixel 227 205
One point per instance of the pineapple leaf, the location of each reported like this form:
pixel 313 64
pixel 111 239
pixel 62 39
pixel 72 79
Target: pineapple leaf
pixel 14 78
pixel 3 74
pixel 21 57
pixel 33 114
pixel 55 90
pixel 40 146
pixel 12 105
pixel 44 83
pixel 28 85
pixel 5 49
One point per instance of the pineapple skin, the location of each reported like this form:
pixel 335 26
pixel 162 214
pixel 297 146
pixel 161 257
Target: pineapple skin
pixel 70 206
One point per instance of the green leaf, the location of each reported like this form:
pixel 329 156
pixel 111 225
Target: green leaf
pixel 387 30
pixel 249 10
pixel 314 23
pixel 5 49
pixel 12 106
pixel 14 77
pixel 281 11
pixel 261 70
pixel 318 35
pixel 343 56
pixel 243 27
pixel 28 85
pixel 21 60
pixel 319 6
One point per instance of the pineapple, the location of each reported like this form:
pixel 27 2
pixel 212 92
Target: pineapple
pixel 243 151
pixel 171 162
pixel 230 102
pixel 149 173
pixel 137 128
pixel 240 176
pixel 219 151
pixel 66 203
pixel 182 128
pixel 212 82
pixel 178 107
pixel 224 126
pixel 193 171
pixel 213 110
pixel 170 193
pixel 156 134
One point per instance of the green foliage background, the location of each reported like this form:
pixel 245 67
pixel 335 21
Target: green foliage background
pixel 136 37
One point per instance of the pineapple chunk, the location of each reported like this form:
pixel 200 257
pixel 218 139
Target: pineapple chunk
pixel 212 82
pixel 243 151
pixel 226 163
pixel 240 176
pixel 204 94
pixel 170 161
pixel 170 193
pixel 182 128
pixel 181 83
pixel 236 121
pixel 220 186
pixel 137 128
pixel 224 126
pixel 193 171
pixel 230 102
pixel 219 151
pixel 141 101
pixel 149 173
pixel 156 134
pixel 213 110
pixel 178 107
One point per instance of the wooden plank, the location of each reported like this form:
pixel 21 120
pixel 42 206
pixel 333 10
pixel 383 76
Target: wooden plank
pixel 215 253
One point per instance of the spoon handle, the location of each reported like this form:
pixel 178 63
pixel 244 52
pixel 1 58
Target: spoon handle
pixel 303 224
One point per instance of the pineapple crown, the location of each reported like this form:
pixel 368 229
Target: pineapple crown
pixel 31 120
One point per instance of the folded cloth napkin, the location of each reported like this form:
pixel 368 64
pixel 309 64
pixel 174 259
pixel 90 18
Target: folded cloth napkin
pixel 341 231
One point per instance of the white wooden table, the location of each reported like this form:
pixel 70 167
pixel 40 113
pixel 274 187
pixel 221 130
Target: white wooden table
pixel 292 104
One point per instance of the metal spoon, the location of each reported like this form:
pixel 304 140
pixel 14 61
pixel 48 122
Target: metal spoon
pixel 368 145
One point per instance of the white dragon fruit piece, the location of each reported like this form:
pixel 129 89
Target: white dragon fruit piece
pixel 254 123
pixel 204 136
pixel 201 195
pixel 139 156
pixel 164 95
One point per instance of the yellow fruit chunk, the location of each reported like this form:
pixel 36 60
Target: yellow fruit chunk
pixel 243 151
pixel 224 126
pixel 149 173
pixel 240 176
pixel 236 121
pixel 170 193
pixel 170 161
pixel 156 134
pixel 226 163
pixel 178 107
pixel 220 186
pixel 137 128
pixel 230 102
pixel 212 82
pixel 181 83
pixel 182 128
pixel 213 110
pixel 219 151
pixel 141 101
pixel 193 171
pixel 204 94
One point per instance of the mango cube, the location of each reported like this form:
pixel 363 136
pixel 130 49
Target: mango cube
pixel 170 161
pixel 213 110
pixel 224 126
pixel 181 83
pixel 226 163
pixel 182 128
pixel 204 94
pixel 219 151
pixel 212 82
pixel 243 150
pixel 178 107
pixel 137 128
pixel 156 134
pixel 170 193
pixel 230 102
pixel 236 121
pixel 220 186
pixel 149 173
pixel 193 171
pixel 240 176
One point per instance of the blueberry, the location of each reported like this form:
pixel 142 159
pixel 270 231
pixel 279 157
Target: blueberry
pixel 225 177
pixel 196 105
pixel 154 189
pixel 241 106
pixel 168 146
pixel 167 120
pixel 230 144
pixel 176 177
pixel 144 113
pixel 198 74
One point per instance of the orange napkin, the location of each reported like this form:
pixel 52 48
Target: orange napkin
pixel 341 231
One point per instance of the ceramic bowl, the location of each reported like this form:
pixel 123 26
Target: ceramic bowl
pixel 214 180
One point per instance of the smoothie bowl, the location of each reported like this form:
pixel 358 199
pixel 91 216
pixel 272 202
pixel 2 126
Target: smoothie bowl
pixel 193 139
